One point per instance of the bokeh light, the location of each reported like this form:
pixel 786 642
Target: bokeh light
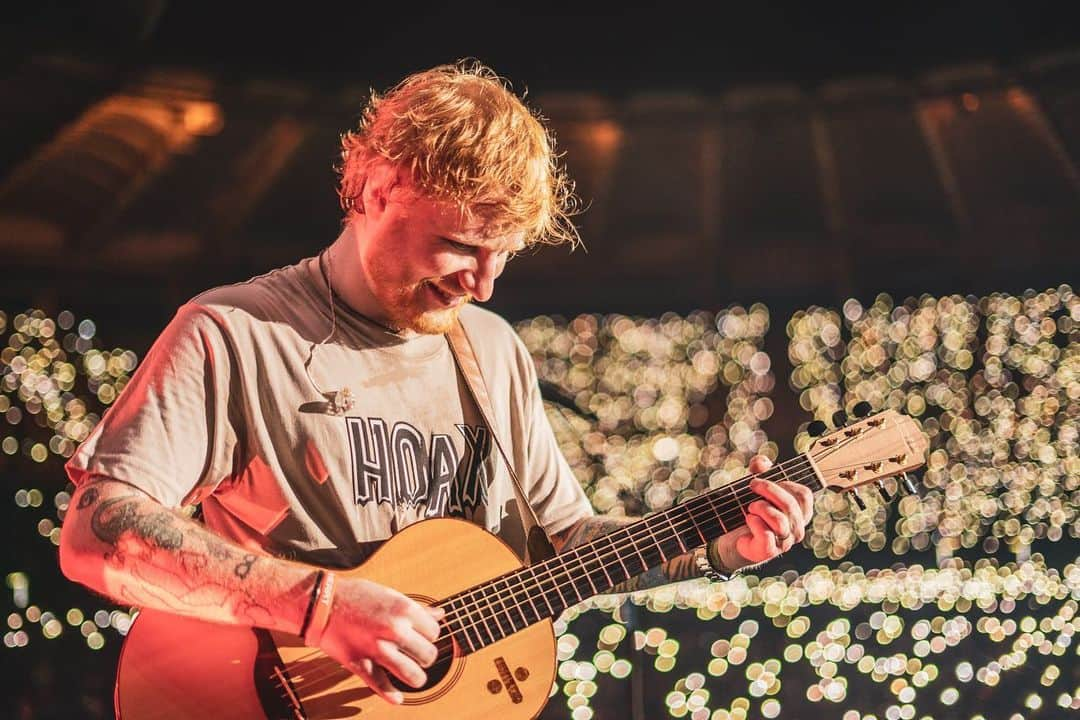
pixel 652 383
pixel 970 589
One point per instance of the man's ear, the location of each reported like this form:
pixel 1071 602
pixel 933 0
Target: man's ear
pixel 382 179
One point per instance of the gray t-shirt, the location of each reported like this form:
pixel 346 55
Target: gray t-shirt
pixel 223 414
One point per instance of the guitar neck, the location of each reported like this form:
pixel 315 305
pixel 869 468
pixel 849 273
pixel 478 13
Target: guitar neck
pixel 514 601
pixel 611 559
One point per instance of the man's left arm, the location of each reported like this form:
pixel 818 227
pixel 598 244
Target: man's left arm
pixel 774 524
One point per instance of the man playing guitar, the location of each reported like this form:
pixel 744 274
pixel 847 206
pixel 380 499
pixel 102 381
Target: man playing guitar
pixel 309 414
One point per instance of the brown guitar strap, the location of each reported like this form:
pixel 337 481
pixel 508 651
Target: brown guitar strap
pixel 538 544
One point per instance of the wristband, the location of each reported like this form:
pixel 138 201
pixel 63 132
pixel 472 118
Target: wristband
pixel 709 567
pixel 311 602
pixel 322 601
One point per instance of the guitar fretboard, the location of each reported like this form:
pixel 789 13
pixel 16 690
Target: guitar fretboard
pixel 500 607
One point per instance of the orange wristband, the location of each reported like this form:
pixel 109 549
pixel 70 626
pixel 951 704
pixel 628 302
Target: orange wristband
pixel 320 615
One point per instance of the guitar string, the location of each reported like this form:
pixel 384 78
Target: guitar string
pixel 445 642
pixel 550 572
pixel 316 675
pixel 484 601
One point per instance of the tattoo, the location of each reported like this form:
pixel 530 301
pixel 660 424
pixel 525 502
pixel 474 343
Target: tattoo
pixel 591 528
pixel 159 559
pixel 676 569
pixel 89 497
pixel 117 516
pixel 165 563
pixel 218 549
pixel 244 568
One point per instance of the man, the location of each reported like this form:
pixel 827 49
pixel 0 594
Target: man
pixel 312 412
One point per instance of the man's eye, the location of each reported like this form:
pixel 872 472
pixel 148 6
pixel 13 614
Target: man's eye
pixel 460 247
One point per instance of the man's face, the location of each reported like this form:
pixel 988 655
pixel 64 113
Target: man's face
pixel 423 261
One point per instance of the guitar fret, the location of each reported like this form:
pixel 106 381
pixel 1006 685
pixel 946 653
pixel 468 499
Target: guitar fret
pixel 737 498
pixel 475 621
pixel 528 596
pixel 553 579
pixel 690 514
pixel 580 552
pixel 564 572
pixel 675 530
pixel 644 562
pixel 716 513
pixel 603 563
pixel 504 594
pixel 519 598
pixel 480 603
pixel 543 593
pixel 656 542
pixel 736 516
pixel 618 556
pixel 496 596
pixel 462 626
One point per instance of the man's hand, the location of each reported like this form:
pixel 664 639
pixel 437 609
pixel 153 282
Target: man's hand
pixel 773 524
pixel 373 630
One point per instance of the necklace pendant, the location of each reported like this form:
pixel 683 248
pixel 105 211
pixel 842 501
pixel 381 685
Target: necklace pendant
pixel 341 401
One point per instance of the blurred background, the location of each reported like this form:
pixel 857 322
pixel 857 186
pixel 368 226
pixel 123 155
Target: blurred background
pixel 790 209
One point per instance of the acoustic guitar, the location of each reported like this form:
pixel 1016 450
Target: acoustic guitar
pixel 497 647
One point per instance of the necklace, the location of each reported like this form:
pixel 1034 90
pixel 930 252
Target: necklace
pixel 327 278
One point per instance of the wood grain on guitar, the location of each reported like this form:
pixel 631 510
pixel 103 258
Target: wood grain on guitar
pixel 497 650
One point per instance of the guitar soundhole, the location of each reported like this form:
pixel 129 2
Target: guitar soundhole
pixel 435 673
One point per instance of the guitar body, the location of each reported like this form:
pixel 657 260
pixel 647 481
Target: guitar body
pixel 177 668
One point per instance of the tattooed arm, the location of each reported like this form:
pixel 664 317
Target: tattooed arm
pixel 123 543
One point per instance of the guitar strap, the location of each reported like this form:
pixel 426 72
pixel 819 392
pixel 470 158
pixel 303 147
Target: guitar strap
pixel 537 543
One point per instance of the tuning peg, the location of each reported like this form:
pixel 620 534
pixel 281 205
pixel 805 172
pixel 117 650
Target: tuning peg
pixel 859 502
pixel 884 491
pixel 909 484
pixel 816 428
pixel 861 409
pixel 839 419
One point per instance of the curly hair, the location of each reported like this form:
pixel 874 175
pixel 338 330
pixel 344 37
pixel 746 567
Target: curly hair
pixel 466 137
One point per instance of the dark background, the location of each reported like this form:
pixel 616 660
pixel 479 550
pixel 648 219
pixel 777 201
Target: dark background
pixel 682 82
pixel 546 46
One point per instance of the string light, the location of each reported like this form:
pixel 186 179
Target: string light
pixel 648 380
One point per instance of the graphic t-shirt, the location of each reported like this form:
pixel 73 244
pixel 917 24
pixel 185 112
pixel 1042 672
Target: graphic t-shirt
pixel 232 410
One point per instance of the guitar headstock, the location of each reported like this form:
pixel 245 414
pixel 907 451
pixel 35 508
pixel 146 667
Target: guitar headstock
pixel 869 450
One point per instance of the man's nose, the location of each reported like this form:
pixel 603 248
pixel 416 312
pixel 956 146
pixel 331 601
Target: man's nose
pixel 479 280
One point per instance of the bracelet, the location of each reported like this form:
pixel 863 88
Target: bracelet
pixel 311 602
pixel 323 600
pixel 710 568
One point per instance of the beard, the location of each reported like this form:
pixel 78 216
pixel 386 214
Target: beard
pixel 409 306
pixel 407 310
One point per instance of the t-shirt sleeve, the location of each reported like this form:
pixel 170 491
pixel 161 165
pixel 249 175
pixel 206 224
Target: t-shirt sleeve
pixel 169 432
pixel 554 491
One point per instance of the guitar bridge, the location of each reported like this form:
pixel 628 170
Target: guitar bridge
pixel 273 685
pixel 288 694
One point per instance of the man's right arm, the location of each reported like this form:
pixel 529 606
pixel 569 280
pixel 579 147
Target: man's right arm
pixel 123 543
pixel 119 541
